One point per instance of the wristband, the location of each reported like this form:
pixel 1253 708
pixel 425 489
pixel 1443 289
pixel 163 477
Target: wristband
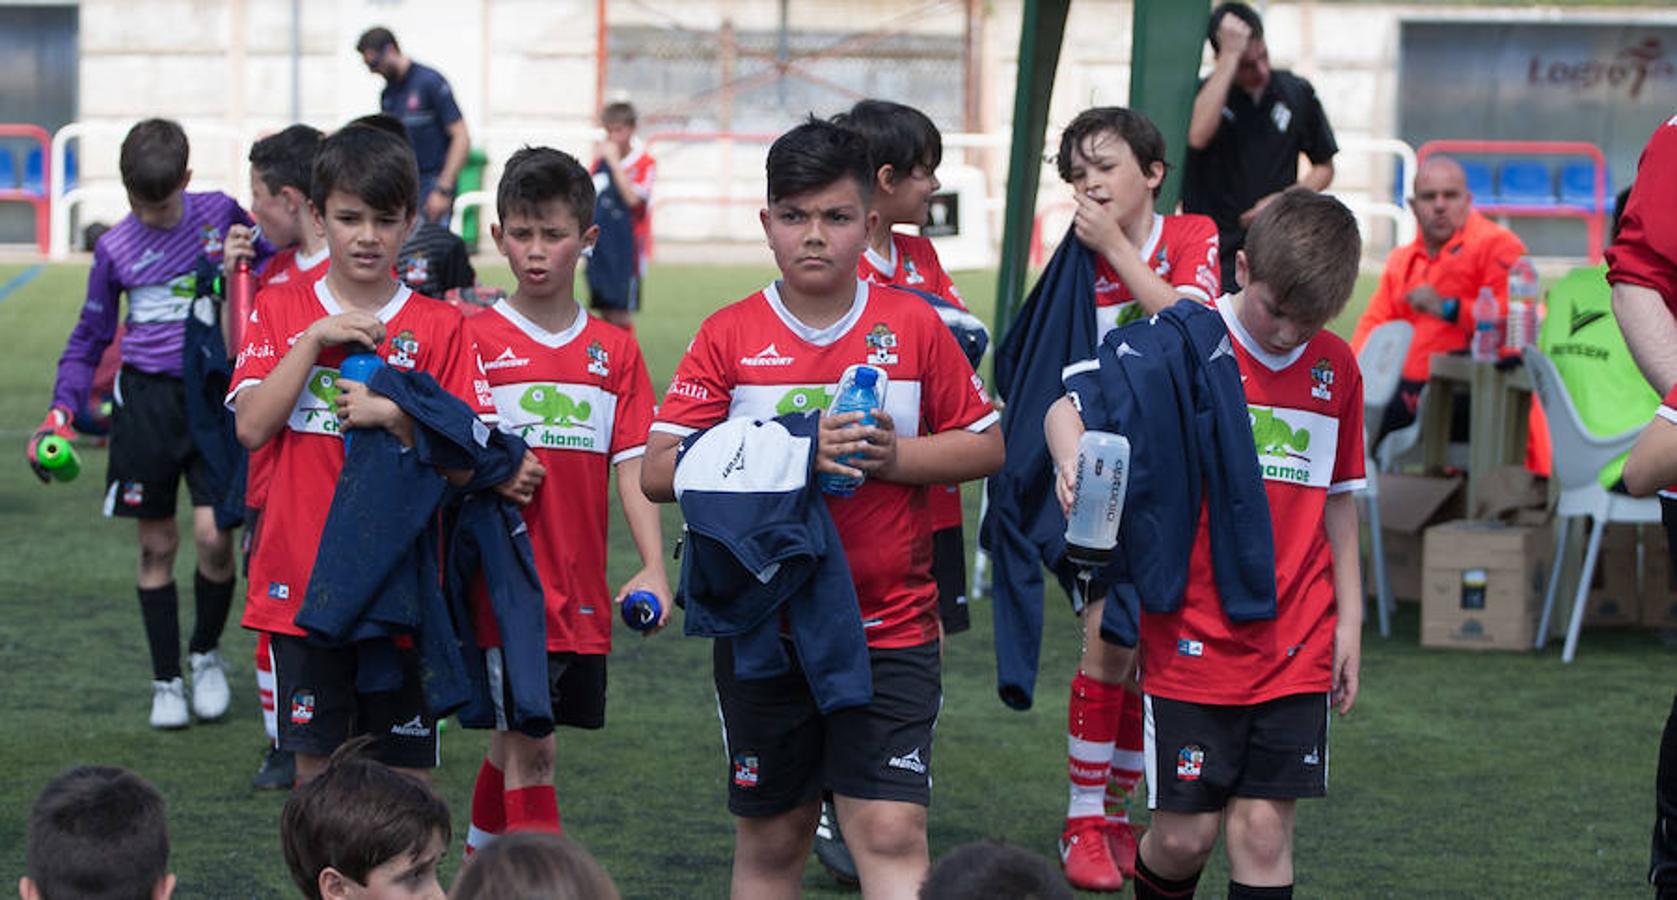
pixel 1449 309
pixel 439 189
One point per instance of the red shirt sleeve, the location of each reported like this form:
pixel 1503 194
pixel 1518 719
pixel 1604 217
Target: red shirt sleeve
pixel 1645 253
pixel 1196 268
pixel 952 394
pixel 1348 469
pixel 700 392
pixel 634 405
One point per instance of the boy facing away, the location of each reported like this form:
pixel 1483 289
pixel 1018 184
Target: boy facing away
pixel 286 391
pixel 97 831
pixel 1237 714
pixel 798 335
pixel 577 391
pixel 151 257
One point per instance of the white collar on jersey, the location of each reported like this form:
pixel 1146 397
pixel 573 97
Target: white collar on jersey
pixel 1273 362
pixel 636 148
pixel 550 340
pixel 886 267
pixel 385 313
pixel 1153 237
pixel 307 262
pixel 820 337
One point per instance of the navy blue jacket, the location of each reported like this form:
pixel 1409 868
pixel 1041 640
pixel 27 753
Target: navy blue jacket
pixel 206 372
pixel 376 573
pixel 1023 527
pixel 1172 385
pixel 612 268
pixel 760 543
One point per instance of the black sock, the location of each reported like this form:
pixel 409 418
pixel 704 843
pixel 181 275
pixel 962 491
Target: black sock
pixel 159 610
pixel 1238 891
pixel 1150 885
pixel 213 599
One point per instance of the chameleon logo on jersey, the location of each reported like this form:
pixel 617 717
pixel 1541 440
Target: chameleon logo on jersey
pixel 404 350
pixel 882 345
pixel 1321 380
pixel 557 409
pixel 1274 437
pixel 802 400
pixel 1282 436
pixel 316 411
pixel 599 361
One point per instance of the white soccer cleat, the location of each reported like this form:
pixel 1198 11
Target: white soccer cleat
pixel 210 694
pixel 168 704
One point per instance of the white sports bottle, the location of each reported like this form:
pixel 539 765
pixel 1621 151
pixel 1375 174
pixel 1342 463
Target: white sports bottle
pixel 1103 471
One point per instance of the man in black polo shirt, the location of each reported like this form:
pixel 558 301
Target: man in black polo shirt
pixel 419 97
pixel 1249 126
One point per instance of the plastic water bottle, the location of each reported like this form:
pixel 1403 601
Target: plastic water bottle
pixel 1103 469
pixel 241 301
pixel 641 610
pixel 1522 305
pixel 859 391
pixel 1487 327
pixel 58 457
pixel 358 367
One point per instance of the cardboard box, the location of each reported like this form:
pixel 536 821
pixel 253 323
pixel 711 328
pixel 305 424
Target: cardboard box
pixel 1613 598
pixel 1408 504
pixel 1659 594
pixel 1483 584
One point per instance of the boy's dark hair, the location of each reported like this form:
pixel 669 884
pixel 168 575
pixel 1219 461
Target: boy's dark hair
pixel 1240 11
pixel 991 870
pixel 1146 142
pixel 537 175
pixel 1305 248
pixel 814 155
pixel 286 159
pixel 376 38
pixel 356 816
pixel 370 163
pixel 532 864
pixel 385 123
pixel 619 113
pixel 898 136
pixel 153 160
pixel 98 832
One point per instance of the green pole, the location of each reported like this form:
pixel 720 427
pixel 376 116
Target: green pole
pixel 1041 30
pixel 1164 76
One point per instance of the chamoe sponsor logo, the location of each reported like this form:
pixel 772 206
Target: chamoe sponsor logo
pixel 768 356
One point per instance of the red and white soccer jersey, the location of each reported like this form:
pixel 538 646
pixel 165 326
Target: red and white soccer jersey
pixel 582 400
pixel 753 358
pixel 1307 422
pixel 285 267
pixel 1181 249
pixel 421 335
pixel 914 264
pixel 1645 252
pixel 642 171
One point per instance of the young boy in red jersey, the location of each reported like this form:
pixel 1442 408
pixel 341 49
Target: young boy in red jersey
pixel 622 163
pixel 281 167
pixel 798 335
pixel 577 391
pixel 1237 713
pixel 286 390
pixel 1114 160
pixel 151 256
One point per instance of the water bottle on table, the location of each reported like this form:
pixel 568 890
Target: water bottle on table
pixel 1487 327
pixel 1103 468
pixel 861 389
pixel 1522 305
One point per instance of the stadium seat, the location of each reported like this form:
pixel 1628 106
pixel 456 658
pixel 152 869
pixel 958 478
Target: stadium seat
pixel 8 169
pixel 1525 183
pixel 33 180
pixel 67 178
pixel 1578 187
pixel 1381 362
pixel 1579 457
pixel 1479 181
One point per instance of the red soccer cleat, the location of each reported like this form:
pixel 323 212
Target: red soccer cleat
pixel 1121 839
pixel 1086 854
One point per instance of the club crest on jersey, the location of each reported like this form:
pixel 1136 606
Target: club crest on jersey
pixel 302 707
pixel 911 274
pixel 210 237
pixel 882 345
pixel 1161 265
pixel 747 770
pixel 404 351
pixel 416 269
pixel 599 361
pixel 1321 380
pixel 1190 762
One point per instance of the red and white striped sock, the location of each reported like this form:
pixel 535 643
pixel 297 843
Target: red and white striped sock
pixel 489 812
pixel 1127 760
pixel 265 686
pixel 1092 725
pixel 534 808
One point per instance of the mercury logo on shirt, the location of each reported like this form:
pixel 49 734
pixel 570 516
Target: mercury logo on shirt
pixel 507 360
pixel 768 356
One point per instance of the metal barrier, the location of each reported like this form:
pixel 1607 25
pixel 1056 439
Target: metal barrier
pixel 1594 216
pixel 38 201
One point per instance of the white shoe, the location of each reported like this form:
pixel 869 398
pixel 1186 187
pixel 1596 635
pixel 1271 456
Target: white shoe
pixel 168 704
pixel 210 693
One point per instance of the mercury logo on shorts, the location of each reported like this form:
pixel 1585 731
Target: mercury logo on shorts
pixel 910 761
pixel 414 727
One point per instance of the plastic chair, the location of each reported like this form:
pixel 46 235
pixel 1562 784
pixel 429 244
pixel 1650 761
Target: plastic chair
pixel 1381 361
pixel 1525 184
pixel 1479 181
pixel 8 169
pixel 33 180
pixel 1578 187
pixel 1579 457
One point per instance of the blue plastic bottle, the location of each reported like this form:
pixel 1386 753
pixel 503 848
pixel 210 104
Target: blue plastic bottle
pixel 358 367
pixel 641 610
pixel 859 393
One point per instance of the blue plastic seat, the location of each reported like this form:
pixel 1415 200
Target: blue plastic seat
pixel 1525 183
pixel 1578 186
pixel 1479 181
pixel 68 176
pixel 33 180
pixel 8 169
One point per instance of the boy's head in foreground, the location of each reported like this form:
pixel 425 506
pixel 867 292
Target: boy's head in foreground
pixel 281 170
pixel 363 189
pixel 1297 268
pixel 904 150
pixel 154 172
pixel 1114 156
pixel 618 120
pixel 97 832
pixel 363 830
pixel 817 220
pixel 990 870
pixel 533 866
pixel 546 208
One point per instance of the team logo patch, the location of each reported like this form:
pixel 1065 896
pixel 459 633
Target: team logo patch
pixel 302 707
pixel 746 770
pixel 210 237
pixel 404 350
pixel 416 269
pixel 911 274
pixel 1161 264
pixel 1190 761
pixel 279 590
pixel 133 493
pixel 599 361
pixel 1321 380
pixel 1185 647
pixel 882 345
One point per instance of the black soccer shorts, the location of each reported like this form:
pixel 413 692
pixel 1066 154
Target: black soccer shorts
pixel 151 449
pixel 1198 756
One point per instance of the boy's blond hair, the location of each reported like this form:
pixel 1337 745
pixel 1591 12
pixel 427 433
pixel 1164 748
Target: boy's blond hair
pixel 1305 248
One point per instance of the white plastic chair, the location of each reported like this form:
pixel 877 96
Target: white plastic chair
pixel 1381 361
pixel 1579 457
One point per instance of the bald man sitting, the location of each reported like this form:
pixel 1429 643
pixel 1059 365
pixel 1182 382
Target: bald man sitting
pixel 1432 282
